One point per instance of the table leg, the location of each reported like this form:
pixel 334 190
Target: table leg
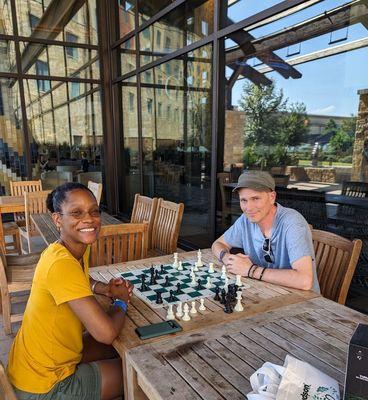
pixel 132 391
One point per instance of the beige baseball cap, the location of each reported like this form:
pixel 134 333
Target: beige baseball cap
pixel 256 180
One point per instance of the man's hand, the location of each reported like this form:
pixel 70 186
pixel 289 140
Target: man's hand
pixel 238 264
pixel 119 288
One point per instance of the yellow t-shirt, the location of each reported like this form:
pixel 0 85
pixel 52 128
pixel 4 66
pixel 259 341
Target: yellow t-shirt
pixel 48 345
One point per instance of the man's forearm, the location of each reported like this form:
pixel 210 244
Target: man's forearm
pixel 219 249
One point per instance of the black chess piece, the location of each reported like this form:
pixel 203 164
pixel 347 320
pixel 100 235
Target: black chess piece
pixel 159 298
pixel 223 296
pixel 228 307
pixel 162 269
pixel 171 298
pixel 178 289
pixel 143 285
pixel 167 283
pixel 152 280
pixel 156 274
pixel 199 287
pixel 152 270
pixel 217 294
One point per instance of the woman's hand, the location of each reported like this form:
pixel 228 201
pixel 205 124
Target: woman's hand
pixel 119 288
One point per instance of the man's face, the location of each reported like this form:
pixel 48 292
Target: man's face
pixel 256 205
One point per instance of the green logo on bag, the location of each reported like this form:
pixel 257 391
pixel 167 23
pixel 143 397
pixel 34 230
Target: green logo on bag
pixel 305 393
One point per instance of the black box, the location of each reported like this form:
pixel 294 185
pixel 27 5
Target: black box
pixel 356 380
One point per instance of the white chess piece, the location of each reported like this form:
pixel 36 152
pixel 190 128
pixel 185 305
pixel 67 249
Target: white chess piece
pixel 175 264
pixel 223 270
pixel 193 281
pixel 208 285
pixel 238 306
pixel 186 313
pixel 195 269
pixel 199 261
pixel 191 271
pixel 238 281
pixel 179 310
pixel 211 268
pixel 201 307
pixel 170 313
pixel 180 267
pixel 193 309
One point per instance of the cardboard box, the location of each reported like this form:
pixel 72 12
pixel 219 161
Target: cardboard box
pixel 356 380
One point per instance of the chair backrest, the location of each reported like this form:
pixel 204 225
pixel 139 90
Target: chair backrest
pixel 119 243
pixel 34 203
pixel 17 188
pixel 144 209
pixel 336 259
pixel 355 189
pixel 166 226
pixel 6 389
pixel 96 189
pixel 84 177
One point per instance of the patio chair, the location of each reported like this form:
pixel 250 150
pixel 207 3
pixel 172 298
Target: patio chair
pixel 336 259
pixel 166 227
pixel 34 203
pixel 96 189
pixel 16 275
pixel 17 188
pixel 6 389
pixel 144 209
pixel 119 243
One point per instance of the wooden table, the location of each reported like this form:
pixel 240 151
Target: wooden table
pixel 47 229
pixel 9 204
pixel 216 363
pixel 258 298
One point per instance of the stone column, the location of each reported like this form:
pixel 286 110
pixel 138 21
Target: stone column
pixel 359 170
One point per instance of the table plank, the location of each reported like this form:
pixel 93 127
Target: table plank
pixel 248 343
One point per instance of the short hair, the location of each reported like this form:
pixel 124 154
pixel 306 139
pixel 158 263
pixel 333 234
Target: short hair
pixel 57 197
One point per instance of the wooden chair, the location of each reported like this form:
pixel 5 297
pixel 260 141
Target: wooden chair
pixel 34 203
pixel 336 259
pixel 166 227
pixel 96 189
pixel 6 389
pixel 18 188
pixel 144 209
pixel 16 274
pixel 119 243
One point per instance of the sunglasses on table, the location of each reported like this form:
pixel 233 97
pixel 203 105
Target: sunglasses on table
pixel 266 247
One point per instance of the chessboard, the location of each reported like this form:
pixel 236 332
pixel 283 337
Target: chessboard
pixel 168 278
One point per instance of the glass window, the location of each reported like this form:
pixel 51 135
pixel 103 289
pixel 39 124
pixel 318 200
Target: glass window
pixel 33 21
pixel 184 25
pixel 75 92
pixel 148 8
pixel 127 56
pixel 42 69
pixel 7 53
pixel 71 51
pixel 131 102
pixel 126 10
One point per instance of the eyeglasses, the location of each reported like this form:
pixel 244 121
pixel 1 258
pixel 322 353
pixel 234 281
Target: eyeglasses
pixel 78 214
pixel 266 247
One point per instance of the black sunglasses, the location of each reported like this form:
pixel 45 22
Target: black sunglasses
pixel 266 247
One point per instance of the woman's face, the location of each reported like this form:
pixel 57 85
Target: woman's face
pixel 79 221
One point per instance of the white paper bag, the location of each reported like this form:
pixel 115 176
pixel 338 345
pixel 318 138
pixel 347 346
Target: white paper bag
pixel 296 380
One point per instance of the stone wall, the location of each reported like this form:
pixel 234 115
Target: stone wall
pixel 321 174
pixel 234 139
pixel 360 164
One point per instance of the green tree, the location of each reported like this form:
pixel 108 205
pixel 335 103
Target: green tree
pixel 272 125
pixel 342 139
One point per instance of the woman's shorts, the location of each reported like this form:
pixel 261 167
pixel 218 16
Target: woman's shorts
pixel 84 384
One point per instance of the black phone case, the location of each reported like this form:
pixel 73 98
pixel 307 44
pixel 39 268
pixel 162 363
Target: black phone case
pixel 159 329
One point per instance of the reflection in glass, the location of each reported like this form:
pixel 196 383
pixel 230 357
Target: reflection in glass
pixel 127 56
pixel 7 60
pixel 148 8
pixel 6 27
pixel 126 10
pixel 183 26
pixel 12 157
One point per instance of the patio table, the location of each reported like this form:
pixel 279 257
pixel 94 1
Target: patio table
pixel 258 298
pixel 9 204
pixel 216 363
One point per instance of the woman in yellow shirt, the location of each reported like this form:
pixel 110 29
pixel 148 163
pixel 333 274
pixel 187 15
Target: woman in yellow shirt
pixel 51 357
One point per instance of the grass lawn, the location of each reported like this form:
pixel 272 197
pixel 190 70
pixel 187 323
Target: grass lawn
pixel 308 163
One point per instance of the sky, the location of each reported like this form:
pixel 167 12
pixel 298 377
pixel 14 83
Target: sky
pixel 328 86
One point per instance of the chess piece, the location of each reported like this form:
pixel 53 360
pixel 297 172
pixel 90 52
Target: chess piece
pixel 162 269
pixel 238 281
pixel 167 283
pixel 179 310
pixel 156 276
pixel 199 287
pixel 223 270
pixel 238 307
pixel 186 316
pixel 180 267
pixel 143 285
pixel 223 296
pixel 208 284
pixel 199 256
pixel 193 309
pixel 201 307
pixel 159 298
pixel 152 280
pixel 175 264
pixel 193 281
pixel 170 314
pixel 228 307
pixel 178 289
pixel 171 297
pixel 211 268
pixel 195 269
pixel 217 294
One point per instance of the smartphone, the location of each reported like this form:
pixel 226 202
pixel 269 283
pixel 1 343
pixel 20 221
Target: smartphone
pixel 159 329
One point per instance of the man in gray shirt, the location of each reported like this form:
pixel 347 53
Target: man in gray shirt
pixel 276 240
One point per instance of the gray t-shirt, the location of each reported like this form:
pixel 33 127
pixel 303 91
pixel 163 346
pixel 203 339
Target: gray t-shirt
pixel 290 240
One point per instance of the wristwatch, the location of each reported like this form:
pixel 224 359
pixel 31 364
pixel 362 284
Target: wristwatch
pixel 121 304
